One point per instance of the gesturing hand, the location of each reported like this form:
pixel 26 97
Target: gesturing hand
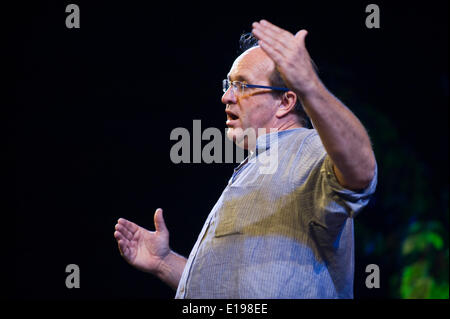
pixel 141 248
pixel 289 53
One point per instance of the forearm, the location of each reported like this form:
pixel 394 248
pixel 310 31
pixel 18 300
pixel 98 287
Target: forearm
pixel 343 136
pixel 171 269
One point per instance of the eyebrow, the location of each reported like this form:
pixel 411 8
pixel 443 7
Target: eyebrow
pixel 239 78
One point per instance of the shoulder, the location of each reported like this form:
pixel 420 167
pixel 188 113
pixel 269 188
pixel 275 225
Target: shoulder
pixel 299 135
pixel 303 142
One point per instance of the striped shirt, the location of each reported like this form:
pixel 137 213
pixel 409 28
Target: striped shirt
pixel 287 234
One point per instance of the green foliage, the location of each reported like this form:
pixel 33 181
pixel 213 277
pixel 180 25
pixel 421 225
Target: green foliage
pixel 423 278
pixel 420 241
pixel 411 213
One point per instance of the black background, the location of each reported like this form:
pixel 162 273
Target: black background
pixel 94 107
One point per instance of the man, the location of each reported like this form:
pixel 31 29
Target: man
pixel 283 235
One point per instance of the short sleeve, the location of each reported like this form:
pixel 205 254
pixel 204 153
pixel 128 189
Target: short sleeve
pixel 316 176
pixel 353 201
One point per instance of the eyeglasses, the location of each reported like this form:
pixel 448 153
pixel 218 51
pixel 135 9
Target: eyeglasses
pixel 238 87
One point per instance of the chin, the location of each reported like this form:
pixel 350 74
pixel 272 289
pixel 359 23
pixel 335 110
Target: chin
pixel 236 136
pixel 243 139
pixel 232 134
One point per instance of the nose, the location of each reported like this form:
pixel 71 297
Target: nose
pixel 229 97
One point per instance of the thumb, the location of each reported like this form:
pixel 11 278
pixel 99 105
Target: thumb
pixel 160 225
pixel 301 35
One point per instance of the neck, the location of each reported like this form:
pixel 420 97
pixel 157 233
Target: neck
pixel 289 125
pixel 280 126
pixel 286 124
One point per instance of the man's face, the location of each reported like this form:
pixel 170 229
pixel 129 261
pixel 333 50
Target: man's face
pixel 252 108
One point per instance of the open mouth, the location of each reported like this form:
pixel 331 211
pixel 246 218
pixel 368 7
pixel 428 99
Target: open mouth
pixel 231 116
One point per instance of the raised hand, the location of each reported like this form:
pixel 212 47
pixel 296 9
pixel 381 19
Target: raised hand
pixel 289 53
pixel 142 248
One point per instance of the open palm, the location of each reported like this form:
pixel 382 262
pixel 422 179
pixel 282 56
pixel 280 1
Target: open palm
pixel 140 247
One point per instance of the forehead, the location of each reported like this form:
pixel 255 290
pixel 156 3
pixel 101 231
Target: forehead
pixel 251 65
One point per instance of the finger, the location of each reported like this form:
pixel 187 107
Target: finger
pixel 130 226
pixel 123 248
pixel 273 49
pixel 118 235
pixel 272 52
pixel 273 30
pixel 160 225
pixel 124 232
pixel 278 34
pixel 282 46
pixel 300 37
pixel 272 26
pixel 120 238
pixel 270 36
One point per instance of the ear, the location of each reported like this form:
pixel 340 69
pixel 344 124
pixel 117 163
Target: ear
pixel 287 104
